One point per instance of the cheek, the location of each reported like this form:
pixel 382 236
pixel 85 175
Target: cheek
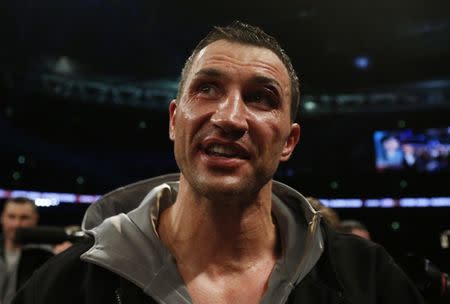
pixel 182 121
pixel 273 141
pixel 185 132
pixel 192 117
pixel 193 108
pixel 187 110
pixel 9 227
pixel 30 224
pixel 269 130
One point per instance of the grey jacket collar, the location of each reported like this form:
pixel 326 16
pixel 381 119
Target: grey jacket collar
pixel 127 244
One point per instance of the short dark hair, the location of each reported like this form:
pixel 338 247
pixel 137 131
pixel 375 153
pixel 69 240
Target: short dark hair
pixel 251 35
pixel 347 226
pixel 22 201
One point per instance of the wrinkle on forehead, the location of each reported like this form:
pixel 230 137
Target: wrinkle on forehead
pixel 238 62
pixel 241 54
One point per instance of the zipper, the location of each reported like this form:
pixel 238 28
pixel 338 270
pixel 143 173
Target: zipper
pixel 118 298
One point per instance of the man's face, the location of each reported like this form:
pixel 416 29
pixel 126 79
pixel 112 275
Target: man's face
pixel 231 126
pixel 17 216
pixel 391 144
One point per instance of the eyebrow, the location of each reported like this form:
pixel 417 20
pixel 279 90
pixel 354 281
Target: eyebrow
pixel 211 72
pixel 216 73
pixel 267 81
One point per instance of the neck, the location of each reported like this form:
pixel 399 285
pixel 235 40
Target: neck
pixel 10 245
pixel 228 236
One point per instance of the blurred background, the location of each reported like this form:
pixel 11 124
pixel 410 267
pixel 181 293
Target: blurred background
pixel 85 86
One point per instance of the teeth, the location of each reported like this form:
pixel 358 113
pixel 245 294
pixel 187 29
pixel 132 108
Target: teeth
pixel 221 150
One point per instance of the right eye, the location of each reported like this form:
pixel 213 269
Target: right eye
pixel 207 90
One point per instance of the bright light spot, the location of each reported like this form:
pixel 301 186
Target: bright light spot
pixel 373 203
pixel 445 236
pixel 344 203
pixel 80 180
pixel 387 203
pixel 142 124
pixel 361 62
pixel 46 202
pixel 21 159
pixel 310 105
pixel 88 198
pixel 440 202
pixel 63 65
pixel 66 197
pixel 16 175
pixel 395 225
pixel 334 185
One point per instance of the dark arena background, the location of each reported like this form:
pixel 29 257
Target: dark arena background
pixel 85 88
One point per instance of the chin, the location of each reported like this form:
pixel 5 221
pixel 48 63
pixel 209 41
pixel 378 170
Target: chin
pixel 225 187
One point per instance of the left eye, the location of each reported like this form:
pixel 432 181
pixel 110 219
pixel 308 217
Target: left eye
pixel 261 98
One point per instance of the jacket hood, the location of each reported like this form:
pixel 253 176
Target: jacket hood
pixel 127 244
pixel 127 198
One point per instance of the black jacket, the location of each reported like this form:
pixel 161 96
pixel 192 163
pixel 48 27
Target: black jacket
pixel 31 258
pixel 351 271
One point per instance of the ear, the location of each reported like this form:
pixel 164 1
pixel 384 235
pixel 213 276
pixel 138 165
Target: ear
pixel 172 114
pixel 291 142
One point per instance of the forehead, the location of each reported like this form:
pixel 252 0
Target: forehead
pixel 240 57
pixel 12 207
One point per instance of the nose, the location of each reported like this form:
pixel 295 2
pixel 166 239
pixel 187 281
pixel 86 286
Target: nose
pixel 230 116
pixel 16 223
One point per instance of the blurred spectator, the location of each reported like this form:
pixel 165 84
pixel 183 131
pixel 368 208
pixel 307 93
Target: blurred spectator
pixel 329 215
pixel 17 263
pixel 409 155
pixel 356 228
pixel 391 156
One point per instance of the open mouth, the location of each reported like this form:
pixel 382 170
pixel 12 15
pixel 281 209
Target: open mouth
pixel 228 151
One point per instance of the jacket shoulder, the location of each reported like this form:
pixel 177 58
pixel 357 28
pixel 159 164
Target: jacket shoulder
pixel 65 278
pixel 30 260
pixel 365 270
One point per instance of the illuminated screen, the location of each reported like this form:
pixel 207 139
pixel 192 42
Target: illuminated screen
pixel 425 150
